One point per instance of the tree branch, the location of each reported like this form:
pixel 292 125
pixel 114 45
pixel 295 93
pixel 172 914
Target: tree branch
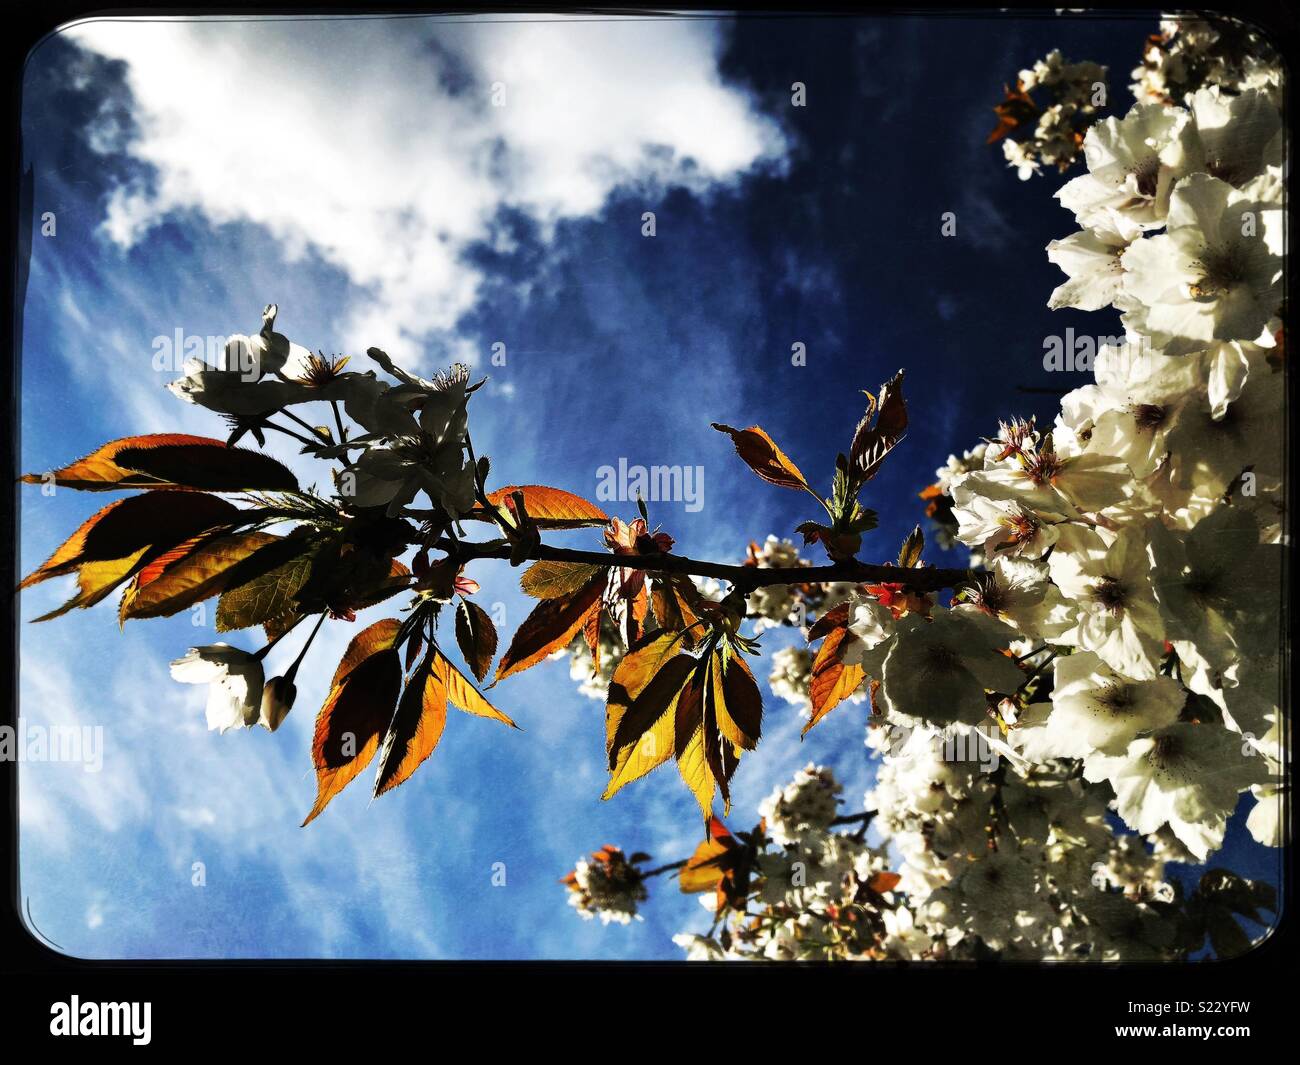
pixel 927 579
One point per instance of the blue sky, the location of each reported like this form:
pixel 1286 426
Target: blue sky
pixel 355 173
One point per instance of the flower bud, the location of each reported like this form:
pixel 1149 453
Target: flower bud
pixel 277 701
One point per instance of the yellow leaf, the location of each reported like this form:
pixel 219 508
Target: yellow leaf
pixel 96 580
pixel 688 742
pixel 649 751
pixel 739 705
pixel 461 693
pixel 640 711
pixel 193 572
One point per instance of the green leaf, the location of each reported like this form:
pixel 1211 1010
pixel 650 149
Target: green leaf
pixel 271 594
pixel 551 580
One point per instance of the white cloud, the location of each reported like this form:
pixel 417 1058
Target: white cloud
pixel 342 138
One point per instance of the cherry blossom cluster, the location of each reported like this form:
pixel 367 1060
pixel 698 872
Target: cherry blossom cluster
pixel 1103 694
pixel 608 885
pixel 1043 119
pixel 1193 51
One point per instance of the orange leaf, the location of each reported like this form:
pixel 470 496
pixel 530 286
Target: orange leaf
pixel 883 882
pixel 551 508
pixel 832 681
pixel 835 618
pixel 705 868
pixel 191 572
pixel 415 729
pixel 591 633
pixel 155 519
pixel 551 625
pixel 476 637
pixel 356 712
pixel 760 453
pixel 172 460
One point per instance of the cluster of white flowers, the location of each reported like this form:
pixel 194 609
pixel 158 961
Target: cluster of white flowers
pixel 413 435
pixel 1119 652
pixel 607 885
pixel 803 808
pixel 1018 862
pixel 776 604
pixel 815 893
pixel 1035 135
pixel 1018 870
pixel 1121 646
pixel 1192 51
pixel 1117 655
pixel 791 676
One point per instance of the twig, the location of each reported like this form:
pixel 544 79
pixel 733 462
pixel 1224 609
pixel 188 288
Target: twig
pixel 854 572
pixel 664 868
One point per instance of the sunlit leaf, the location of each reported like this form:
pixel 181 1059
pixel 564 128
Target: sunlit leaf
pixel 461 693
pixel 551 508
pixel 155 519
pixel 476 636
pixel 96 580
pixel 270 594
pixel 550 626
pixel 639 733
pixel 634 671
pixel 872 441
pixel 882 882
pixel 719 752
pixel 415 729
pixel 761 454
pixel 193 572
pixel 688 744
pixel 909 555
pixel 832 681
pixel 835 618
pixel 551 580
pixel 591 634
pixel 739 704
pixel 705 868
pixel 172 460
pixel 357 711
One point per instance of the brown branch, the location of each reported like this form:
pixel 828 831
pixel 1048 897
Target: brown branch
pixel 919 579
